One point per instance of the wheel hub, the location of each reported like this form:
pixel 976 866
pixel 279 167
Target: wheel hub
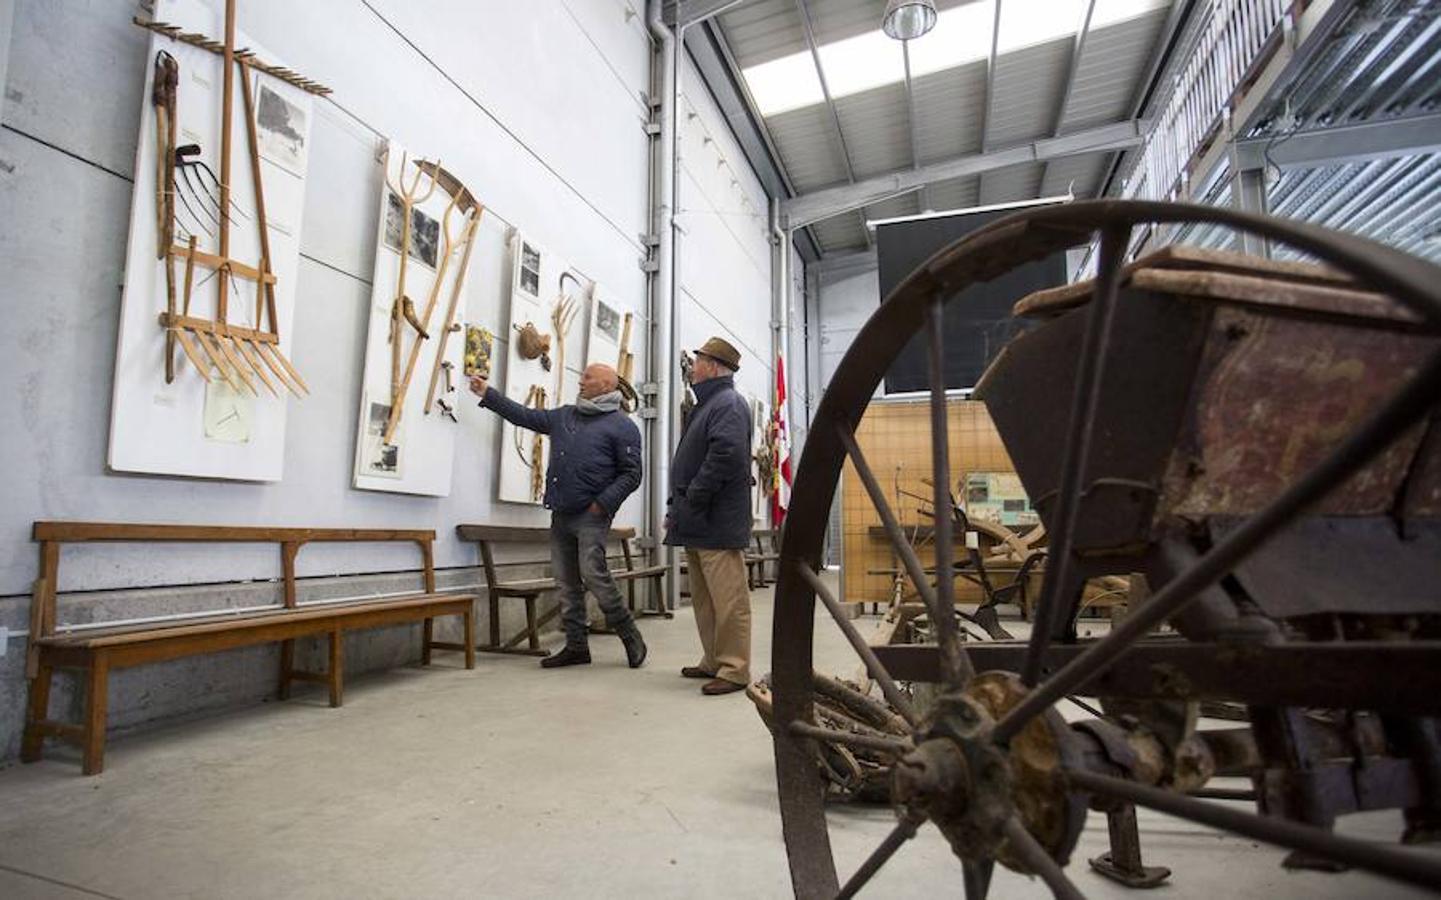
pixel 961 780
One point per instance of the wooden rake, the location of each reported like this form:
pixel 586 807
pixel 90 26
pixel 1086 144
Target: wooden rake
pixel 241 355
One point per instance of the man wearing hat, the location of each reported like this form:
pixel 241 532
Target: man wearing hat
pixel 710 515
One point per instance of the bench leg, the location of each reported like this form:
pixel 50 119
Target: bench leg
pixel 96 700
pixel 36 712
pixel 427 634
pixel 337 667
pixel 494 621
pixel 287 665
pixel 530 627
pixel 469 639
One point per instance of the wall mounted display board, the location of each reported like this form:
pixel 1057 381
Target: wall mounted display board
pixel 415 346
pixel 217 409
pixel 545 351
pixel 998 497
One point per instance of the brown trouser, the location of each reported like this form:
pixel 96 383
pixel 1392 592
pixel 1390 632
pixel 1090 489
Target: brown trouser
pixel 721 596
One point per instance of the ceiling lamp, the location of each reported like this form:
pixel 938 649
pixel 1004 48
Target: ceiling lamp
pixel 907 20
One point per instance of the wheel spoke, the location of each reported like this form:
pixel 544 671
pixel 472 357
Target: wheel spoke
pixel 955 665
pixel 895 745
pixel 978 877
pixel 1411 867
pixel 902 547
pixel 877 671
pixel 1095 346
pixel 1039 861
pixel 904 831
pixel 1409 405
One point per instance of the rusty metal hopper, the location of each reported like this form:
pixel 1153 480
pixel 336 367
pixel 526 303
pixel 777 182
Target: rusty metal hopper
pixel 1229 378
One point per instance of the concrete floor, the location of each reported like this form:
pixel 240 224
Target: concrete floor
pixel 511 782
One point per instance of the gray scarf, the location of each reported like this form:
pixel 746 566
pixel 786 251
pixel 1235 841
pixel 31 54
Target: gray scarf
pixel 594 406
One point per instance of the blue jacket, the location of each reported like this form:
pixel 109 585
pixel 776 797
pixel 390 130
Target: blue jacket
pixel 710 477
pixel 593 458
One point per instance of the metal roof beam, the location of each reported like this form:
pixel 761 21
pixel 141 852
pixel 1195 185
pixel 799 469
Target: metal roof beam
pixel 1342 144
pixel 822 204
pixel 688 12
pixel 1078 46
pixel 830 104
pixel 991 78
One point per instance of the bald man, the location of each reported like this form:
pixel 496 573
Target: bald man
pixel 594 465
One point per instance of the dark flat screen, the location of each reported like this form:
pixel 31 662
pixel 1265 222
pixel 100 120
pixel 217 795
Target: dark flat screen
pixel 978 321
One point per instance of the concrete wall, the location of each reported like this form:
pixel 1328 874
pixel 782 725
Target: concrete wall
pixel 538 106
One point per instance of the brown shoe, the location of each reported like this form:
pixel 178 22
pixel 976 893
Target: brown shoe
pixel 695 672
pixel 717 686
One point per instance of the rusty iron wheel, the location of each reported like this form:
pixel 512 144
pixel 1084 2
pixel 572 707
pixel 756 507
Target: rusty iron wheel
pixel 959 770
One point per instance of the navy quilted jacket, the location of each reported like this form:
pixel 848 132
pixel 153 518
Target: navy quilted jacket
pixel 593 458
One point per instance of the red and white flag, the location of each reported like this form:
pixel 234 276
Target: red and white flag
pixel 781 448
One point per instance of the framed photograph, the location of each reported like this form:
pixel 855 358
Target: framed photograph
pixel 607 321
pixel 280 129
pixel 377 457
pixel 529 269
pixel 424 231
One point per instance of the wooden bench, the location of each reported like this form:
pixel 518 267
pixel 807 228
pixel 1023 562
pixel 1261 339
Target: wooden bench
pixel 529 590
pixel 768 550
pixel 96 651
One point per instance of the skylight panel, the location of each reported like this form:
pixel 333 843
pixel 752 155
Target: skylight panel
pixel 862 62
pixel 1026 23
pixel 785 84
pixel 1111 11
pixel 962 34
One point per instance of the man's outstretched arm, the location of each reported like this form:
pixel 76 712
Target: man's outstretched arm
pixel 508 409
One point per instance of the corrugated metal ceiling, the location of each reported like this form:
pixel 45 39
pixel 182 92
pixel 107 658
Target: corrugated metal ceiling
pixel 950 108
pixel 1382 64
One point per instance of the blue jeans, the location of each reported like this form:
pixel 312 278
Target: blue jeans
pixel 577 561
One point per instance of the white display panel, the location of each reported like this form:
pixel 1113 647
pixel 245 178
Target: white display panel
pixel 540 281
pixel 185 427
pixel 419 458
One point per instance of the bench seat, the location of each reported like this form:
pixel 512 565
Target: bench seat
pixel 96 650
pixel 529 590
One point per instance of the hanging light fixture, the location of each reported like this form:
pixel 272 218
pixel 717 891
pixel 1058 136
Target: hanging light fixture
pixel 907 20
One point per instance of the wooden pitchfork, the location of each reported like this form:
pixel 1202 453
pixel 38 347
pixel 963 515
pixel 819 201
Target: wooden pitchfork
pixel 408 199
pixel 397 399
pixel 468 204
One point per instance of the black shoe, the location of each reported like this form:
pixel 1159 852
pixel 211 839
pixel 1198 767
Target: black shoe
pixel 635 649
pixel 568 656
